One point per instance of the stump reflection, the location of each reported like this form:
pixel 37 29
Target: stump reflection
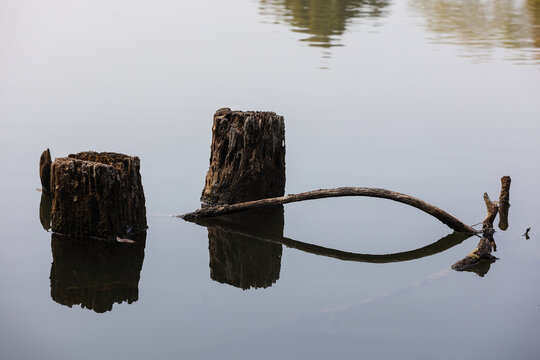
pixel 96 273
pixel 243 261
pixel 45 207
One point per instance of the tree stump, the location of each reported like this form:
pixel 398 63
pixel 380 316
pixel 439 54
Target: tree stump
pixel 95 273
pixel 97 194
pixel 247 160
pixel 243 261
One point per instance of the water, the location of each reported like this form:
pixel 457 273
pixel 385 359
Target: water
pixel 437 99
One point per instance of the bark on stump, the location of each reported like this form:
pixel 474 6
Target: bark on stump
pixel 247 160
pixel 97 194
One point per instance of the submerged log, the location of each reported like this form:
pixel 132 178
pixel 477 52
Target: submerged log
pixel 451 221
pixel 45 171
pixel 247 160
pixel 97 194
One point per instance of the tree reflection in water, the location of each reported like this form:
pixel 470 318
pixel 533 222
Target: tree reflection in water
pixel 324 21
pixel 95 273
pixel 482 26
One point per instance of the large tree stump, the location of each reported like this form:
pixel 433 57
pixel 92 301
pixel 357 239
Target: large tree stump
pixel 247 160
pixel 95 273
pixel 97 194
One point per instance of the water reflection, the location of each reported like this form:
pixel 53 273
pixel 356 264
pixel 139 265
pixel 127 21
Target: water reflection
pixel 244 261
pixel 482 26
pixel 240 230
pixel 45 210
pixel 481 268
pixel 246 248
pixel 95 273
pixel 322 20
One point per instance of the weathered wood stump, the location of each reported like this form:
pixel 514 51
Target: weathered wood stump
pixel 95 273
pixel 45 171
pixel 243 261
pixel 247 160
pixel 97 194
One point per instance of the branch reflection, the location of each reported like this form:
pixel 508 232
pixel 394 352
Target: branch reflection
pixel 245 248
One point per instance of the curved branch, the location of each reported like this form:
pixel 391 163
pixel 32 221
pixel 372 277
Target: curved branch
pixel 443 244
pixel 451 221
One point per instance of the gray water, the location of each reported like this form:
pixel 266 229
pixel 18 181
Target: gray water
pixel 436 99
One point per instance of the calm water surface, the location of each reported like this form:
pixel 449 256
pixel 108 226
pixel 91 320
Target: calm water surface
pixel 437 99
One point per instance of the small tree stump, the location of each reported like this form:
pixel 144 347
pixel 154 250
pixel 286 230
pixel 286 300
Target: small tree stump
pixel 97 194
pixel 45 171
pixel 247 160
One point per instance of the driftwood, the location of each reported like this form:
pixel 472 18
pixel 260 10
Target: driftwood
pixel 480 258
pixel 451 221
